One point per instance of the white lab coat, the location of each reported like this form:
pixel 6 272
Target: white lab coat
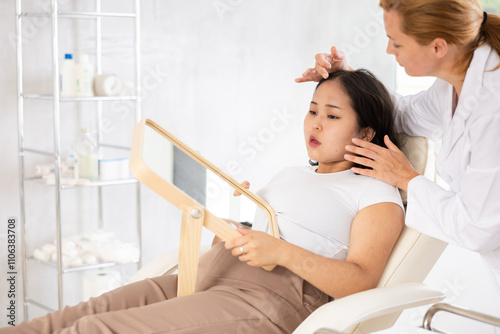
pixel 468 214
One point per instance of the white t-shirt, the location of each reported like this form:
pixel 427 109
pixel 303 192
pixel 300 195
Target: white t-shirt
pixel 315 210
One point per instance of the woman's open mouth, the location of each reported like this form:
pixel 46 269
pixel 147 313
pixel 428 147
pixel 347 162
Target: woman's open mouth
pixel 313 142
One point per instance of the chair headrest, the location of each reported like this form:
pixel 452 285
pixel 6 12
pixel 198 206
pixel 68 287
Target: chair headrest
pixel 416 150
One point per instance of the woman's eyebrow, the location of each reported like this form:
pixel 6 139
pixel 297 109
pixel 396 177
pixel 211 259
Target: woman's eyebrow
pixel 391 38
pixel 332 106
pixel 327 105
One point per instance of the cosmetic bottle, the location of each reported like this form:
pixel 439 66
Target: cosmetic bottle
pixel 67 77
pixel 87 155
pixel 84 72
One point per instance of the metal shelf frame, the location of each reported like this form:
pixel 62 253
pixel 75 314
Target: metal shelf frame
pixel 80 99
pixel 79 268
pixel 87 184
pixel 55 15
pixel 80 15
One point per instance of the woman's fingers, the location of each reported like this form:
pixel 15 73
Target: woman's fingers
pixel 365 149
pixel 360 160
pixel 320 70
pixel 337 54
pixel 309 75
pixel 390 145
pixel 309 72
pixel 255 248
pixel 338 58
pixel 387 164
pixel 245 185
pixel 365 172
pixel 324 60
pixel 371 155
pixel 325 63
pixel 238 241
pixel 356 150
pixel 234 245
pixel 240 248
pixel 367 145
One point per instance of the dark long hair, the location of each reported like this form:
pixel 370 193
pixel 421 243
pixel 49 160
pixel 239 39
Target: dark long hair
pixel 370 100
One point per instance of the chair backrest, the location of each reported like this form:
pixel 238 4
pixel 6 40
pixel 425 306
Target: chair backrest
pixel 414 254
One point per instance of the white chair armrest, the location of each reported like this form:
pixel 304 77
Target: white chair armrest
pixel 344 313
pixel 164 264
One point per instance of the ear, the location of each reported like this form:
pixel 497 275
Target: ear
pixel 367 133
pixel 440 47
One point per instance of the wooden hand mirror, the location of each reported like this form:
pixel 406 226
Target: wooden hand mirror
pixel 154 156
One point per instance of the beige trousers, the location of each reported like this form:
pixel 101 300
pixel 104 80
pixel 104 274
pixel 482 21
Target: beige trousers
pixel 231 298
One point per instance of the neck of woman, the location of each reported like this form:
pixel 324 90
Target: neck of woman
pixel 334 167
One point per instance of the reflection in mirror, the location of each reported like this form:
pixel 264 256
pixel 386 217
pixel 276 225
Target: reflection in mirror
pixel 190 176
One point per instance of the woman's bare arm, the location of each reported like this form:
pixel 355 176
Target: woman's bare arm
pixel 374 232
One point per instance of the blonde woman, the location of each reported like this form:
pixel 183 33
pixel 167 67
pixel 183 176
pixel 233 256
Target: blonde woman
pixel 459 44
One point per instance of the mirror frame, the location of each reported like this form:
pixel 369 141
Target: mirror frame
pixel 194 214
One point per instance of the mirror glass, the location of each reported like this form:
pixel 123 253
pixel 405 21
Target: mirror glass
pixel 183 167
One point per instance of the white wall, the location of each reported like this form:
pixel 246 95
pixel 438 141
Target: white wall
pixel 217 73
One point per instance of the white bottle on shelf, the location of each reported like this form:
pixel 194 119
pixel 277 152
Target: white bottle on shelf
pixel 86 152
pixel 67 77
pixel 84 77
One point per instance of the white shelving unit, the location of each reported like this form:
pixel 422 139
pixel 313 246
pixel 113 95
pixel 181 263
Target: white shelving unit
pixel 55 15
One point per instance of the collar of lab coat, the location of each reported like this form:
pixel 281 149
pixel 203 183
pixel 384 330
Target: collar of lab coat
pixel 472 97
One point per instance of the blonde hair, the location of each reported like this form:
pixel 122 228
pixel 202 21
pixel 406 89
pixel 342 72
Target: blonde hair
pixel 459 22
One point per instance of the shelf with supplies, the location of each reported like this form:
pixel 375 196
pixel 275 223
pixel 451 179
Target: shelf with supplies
pixel 67 270
pixel 87 250
pixel 58 167
pixel 112 172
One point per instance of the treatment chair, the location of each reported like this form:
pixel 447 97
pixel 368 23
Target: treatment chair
pixel 399 288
